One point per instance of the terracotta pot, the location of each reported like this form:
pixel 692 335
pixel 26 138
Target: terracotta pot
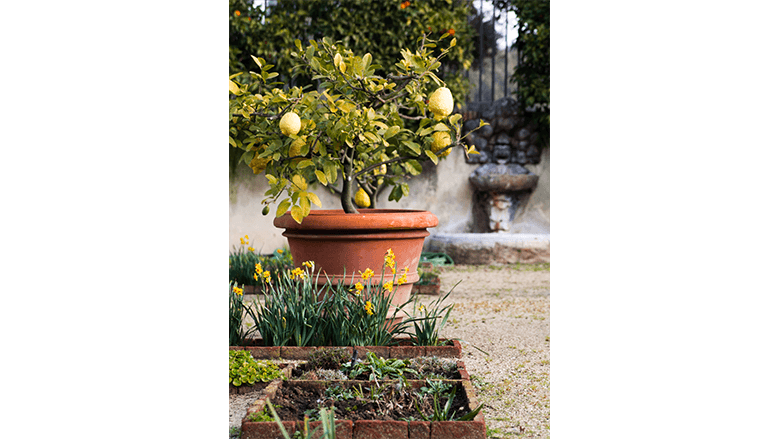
pixel 336 241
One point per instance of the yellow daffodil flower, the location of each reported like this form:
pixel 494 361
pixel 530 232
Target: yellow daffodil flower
pixel 369 308
pixel 238 291
pixel 358 288
pixel 388 286
pixel 251 249
pixel 258 268
pixel 267 276
pixel 368 274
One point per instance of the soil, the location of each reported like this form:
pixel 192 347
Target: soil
pixel 425 367
pixel 294 401
pixel 502 317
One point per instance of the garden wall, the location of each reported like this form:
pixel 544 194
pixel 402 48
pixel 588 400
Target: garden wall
pixel 444 190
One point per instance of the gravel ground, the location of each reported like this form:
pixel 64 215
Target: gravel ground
pixel 502 316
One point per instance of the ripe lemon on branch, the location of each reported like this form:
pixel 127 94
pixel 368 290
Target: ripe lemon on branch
pixel 440 103
pixel 361 198
pixel 441 140
pixel 290 124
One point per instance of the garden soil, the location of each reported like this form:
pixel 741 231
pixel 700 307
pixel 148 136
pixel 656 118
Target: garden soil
pixel 501 314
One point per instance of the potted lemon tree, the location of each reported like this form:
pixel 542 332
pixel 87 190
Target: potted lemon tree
pixel 359 131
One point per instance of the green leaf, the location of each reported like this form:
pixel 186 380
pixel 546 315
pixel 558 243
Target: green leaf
pixel 392 131
pixel 416 167
pixel 297 214
pixel 305 164
pixel 300 48
pixel 299 182
pixel 247 157
pixel 331 171
pixel 258 61
pixel 282 209
pixel 432 156
pixel 366 61
pixel 271 179
pixel 345 106
pixel 314 198
pixel 232 142
pixel 425 132
pixel 413 146
pixel 441 127
pixel 455 118
pixel 321 177
pixel 234 88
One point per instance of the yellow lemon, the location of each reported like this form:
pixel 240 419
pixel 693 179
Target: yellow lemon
pixel 441 140
pixel 295 148
pixel 361 198
pixel 290 124
pixel 440 103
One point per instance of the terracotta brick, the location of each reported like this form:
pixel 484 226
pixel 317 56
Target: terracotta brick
pixel 265 430
pixel 420 430
pixel 296 352
pixel 407 351
pixel 380 430
pixel 458 430
pixel 464 374
pixel 343 428
pixel 264 352
pixel 379 351
pixel 441 351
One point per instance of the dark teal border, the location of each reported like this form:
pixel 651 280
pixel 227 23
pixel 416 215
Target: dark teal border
pixel 114 121
pixel 665 142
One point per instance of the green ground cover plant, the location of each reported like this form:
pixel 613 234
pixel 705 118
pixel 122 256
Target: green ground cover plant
pixel 244 369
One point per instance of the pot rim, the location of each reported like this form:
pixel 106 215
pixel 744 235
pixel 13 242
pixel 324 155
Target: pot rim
pixel 366 219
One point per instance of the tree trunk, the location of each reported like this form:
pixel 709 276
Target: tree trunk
pixel 346 192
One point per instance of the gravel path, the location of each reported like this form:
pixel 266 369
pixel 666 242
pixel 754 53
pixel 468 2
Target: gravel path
pixel 502 315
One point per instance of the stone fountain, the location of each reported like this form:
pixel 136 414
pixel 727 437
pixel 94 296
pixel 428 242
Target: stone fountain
pixel 502 187
pixel 501 182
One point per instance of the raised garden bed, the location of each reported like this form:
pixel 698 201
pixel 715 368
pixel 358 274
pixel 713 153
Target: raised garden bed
pixel 404 349
pixel 391 413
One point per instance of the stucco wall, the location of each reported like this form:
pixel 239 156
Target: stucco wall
pixel 444 190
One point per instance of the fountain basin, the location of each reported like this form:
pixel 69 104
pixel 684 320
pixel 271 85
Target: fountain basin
pixel 493 177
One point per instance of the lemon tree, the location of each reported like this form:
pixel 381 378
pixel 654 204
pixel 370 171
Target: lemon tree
pixel 356 131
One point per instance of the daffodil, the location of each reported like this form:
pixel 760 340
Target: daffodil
pixel 368 274
pixel 358 288
pixel 388 286
pixel 421 308
pixel 258 268
pixel 267 276
pixel 309 264
pixel 238 291
pixel 255 276
pixel 390 258
pixel 251 249
pixel 369 308
pixel 297 273
pixel 280 251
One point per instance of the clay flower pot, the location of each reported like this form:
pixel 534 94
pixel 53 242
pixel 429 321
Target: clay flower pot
pixel 335 240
